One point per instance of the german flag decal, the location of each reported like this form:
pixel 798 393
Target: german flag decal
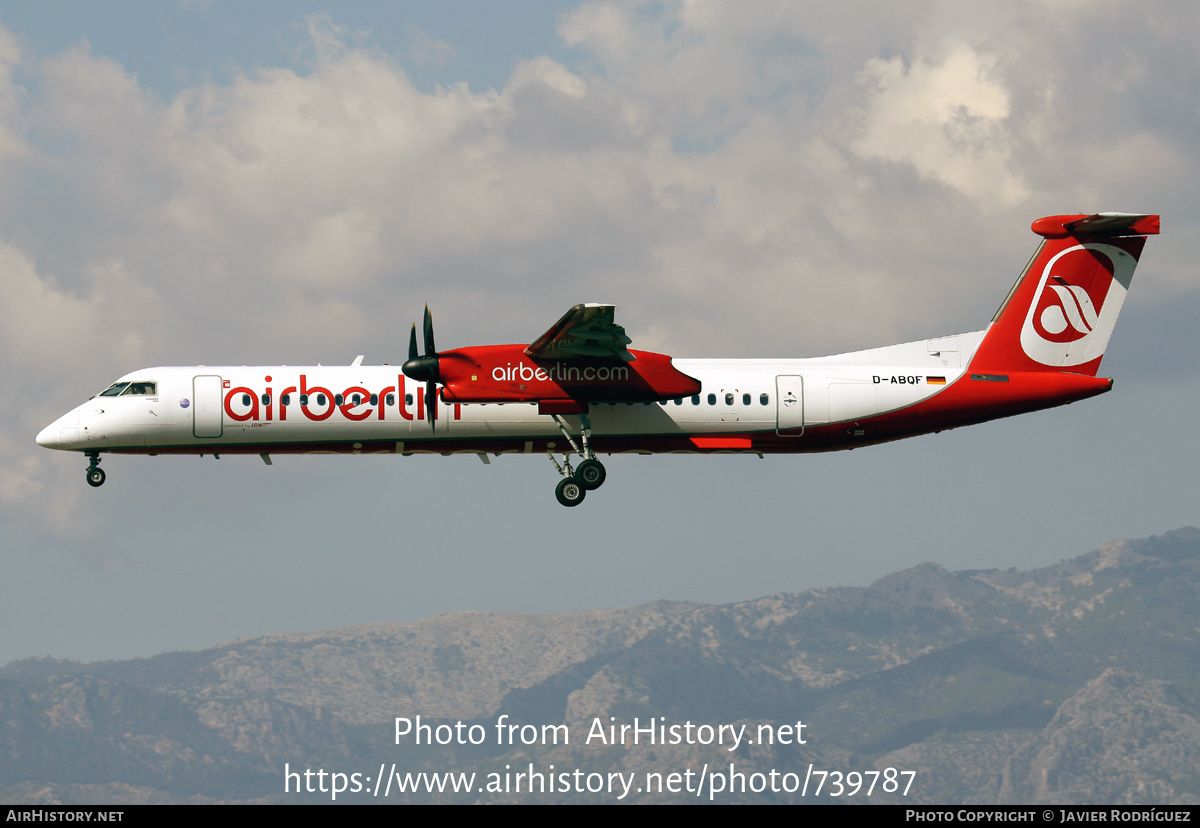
pixel 935 380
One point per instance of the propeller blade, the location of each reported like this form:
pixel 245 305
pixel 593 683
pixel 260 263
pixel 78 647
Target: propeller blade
pixel 430 348
pixel 422 368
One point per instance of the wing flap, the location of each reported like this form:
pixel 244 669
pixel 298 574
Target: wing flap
pixel 585 331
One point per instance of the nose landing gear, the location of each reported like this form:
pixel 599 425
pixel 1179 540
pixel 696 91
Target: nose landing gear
pixel 95 474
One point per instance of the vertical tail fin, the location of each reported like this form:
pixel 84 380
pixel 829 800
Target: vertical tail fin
pixel 1062 310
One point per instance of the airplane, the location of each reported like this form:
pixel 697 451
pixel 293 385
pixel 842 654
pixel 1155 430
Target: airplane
pixel 579 391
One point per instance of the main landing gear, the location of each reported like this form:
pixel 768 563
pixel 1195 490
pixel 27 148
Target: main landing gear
pixel 590 475
pixel 95 474
pixel 569 492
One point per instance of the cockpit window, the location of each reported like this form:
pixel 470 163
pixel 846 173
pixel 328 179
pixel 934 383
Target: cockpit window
pixel 130 389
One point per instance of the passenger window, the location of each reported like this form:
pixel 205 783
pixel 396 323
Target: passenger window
pixel 304 399
pixel 696 400
pixel 320 399
pixel 745 399
pixel 266 399
pixel 391 399
pixel 338 399
pixel 374 399
pixel 712 399
pixel 764 398
pixel 679 400
pixel 246 400
pixel 408 400
pixel 729 399
pixel 285 400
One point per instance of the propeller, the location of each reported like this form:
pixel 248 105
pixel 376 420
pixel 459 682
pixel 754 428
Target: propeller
pixel 424 368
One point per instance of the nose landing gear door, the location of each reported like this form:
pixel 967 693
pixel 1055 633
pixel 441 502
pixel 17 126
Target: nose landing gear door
pixel 206 406
pixel 789 405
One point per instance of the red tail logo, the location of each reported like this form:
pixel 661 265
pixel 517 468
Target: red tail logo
pixel 1075 307
pixel 1066 309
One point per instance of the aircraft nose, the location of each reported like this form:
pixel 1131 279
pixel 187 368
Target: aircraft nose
pixel 63 433
pixel 48 436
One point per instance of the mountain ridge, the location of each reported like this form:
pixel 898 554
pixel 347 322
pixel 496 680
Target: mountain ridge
pixel 1019 669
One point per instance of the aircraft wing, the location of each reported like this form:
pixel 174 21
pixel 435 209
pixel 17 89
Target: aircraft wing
pixel 585 331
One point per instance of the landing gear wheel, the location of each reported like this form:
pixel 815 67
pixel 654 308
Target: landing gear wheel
pixel 95 477
pixel 591 474
pixel 569 492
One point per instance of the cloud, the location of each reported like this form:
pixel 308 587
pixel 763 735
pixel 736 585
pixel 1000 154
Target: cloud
pixel 13 145
pixel 424 50
pixel 54 337
pixel 763 180
pixel 946 119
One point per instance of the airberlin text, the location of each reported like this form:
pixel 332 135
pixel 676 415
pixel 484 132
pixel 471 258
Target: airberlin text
pixel 317 402
pixel 560 373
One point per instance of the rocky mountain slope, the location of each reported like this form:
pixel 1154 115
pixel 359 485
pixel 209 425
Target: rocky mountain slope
pixel 1077 682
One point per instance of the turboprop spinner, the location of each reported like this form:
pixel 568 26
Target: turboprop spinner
pixel 424 368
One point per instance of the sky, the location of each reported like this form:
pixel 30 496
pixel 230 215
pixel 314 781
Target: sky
pixel 228 183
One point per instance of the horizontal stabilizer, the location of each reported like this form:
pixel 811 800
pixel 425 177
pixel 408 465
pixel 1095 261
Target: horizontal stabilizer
pixel 1100 224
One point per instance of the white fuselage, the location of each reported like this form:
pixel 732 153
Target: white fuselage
pixel 361 408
